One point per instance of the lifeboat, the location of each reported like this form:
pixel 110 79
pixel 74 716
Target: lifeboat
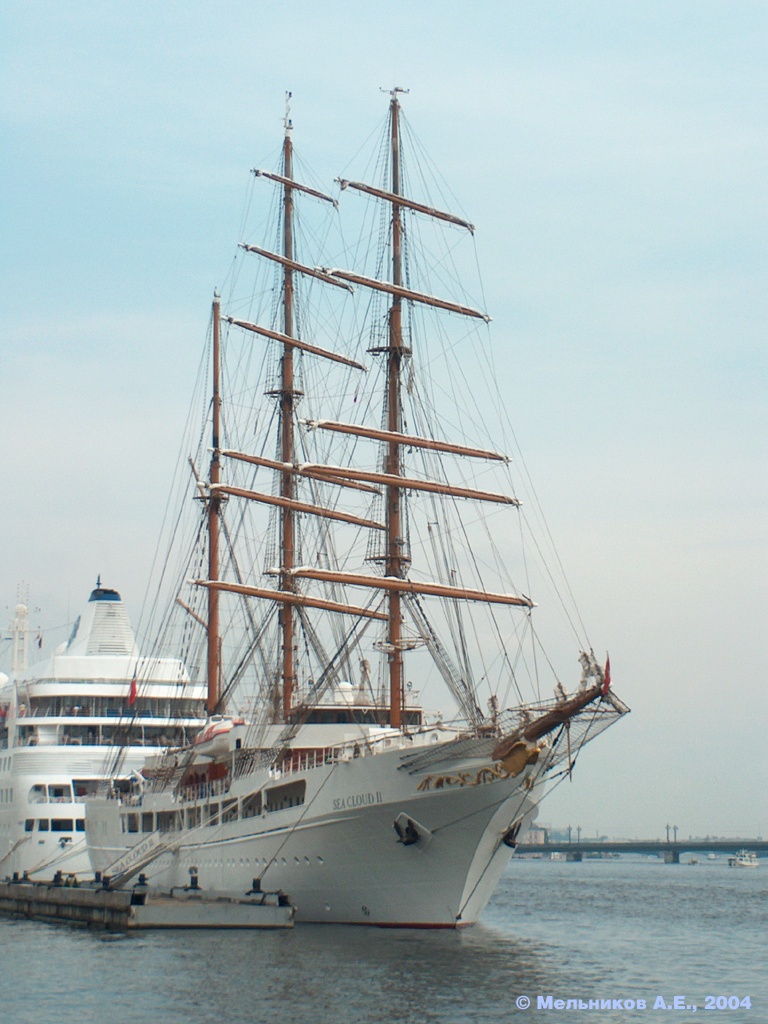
pixel 213 738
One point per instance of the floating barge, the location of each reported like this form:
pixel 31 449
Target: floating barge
pixel 139 908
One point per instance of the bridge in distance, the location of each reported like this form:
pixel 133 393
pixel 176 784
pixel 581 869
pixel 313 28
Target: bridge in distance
pixel 669 850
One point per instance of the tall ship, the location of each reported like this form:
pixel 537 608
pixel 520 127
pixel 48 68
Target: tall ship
pixel 95 709
pixel 360 589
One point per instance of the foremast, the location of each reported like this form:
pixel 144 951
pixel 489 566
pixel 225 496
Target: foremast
pixel 396 554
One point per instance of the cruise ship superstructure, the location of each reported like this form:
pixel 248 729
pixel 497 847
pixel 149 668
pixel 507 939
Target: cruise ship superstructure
pixel 94 709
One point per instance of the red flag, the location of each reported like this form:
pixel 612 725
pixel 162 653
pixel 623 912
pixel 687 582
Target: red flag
pixel 607 676
pixel 132 692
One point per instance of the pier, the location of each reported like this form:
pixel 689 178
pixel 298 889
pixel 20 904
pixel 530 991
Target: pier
pixel 129 909
pixel 668 850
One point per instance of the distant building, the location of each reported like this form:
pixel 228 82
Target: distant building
pixel 538 834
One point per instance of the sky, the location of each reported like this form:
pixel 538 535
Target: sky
pixel 613 158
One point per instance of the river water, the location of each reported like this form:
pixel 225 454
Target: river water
pixel 616 930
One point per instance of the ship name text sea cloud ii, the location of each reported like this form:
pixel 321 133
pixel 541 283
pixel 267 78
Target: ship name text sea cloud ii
pixel 383 719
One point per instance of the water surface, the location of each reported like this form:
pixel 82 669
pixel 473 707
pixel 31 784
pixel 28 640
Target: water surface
pixel 616 930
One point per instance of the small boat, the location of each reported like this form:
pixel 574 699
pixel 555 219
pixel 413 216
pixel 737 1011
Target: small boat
pixel 213 738
pixel 744 859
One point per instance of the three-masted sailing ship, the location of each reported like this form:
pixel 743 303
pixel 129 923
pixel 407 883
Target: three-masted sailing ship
pixel 367 553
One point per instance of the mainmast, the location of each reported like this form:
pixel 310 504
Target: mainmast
pixel 287 401
pixel 214 510
pixel 397 557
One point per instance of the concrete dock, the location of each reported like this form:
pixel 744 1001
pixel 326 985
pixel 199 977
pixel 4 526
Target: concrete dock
pixel 138 908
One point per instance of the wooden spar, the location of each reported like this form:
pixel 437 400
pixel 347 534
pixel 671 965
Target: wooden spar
pixel 285 261
pixel 409 440
pixel 288 598
pixel 292 505
pixel 289 183
pixel 295 343
pixel 550 720
pixel 397 554
pixel 297 468
pixel 287 403
pixel 430 211
pixel 191 612
pixel 402 586
pixel 396 289
pixel 343 476
pixel 202 493
pixel 214 509
pixel 408 484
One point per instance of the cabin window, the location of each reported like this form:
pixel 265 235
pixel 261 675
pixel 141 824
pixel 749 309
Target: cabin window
pixel 359 716
pixel 29 824
pixel 194 816
pixel 62 825
pixel 212 814
pixel 229 810
pixel 133 822
pixel 38 795
pixel 60 794
pixel 168 821
pixel 289 795
pixel 80 825
pixel 85 787
pixel 252 805
pixel 147 822
pixel 43 825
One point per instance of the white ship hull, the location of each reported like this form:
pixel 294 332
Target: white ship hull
pixel 361 573
pixel 338 856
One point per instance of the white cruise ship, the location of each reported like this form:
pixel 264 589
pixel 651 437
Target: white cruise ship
pixel 95 708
